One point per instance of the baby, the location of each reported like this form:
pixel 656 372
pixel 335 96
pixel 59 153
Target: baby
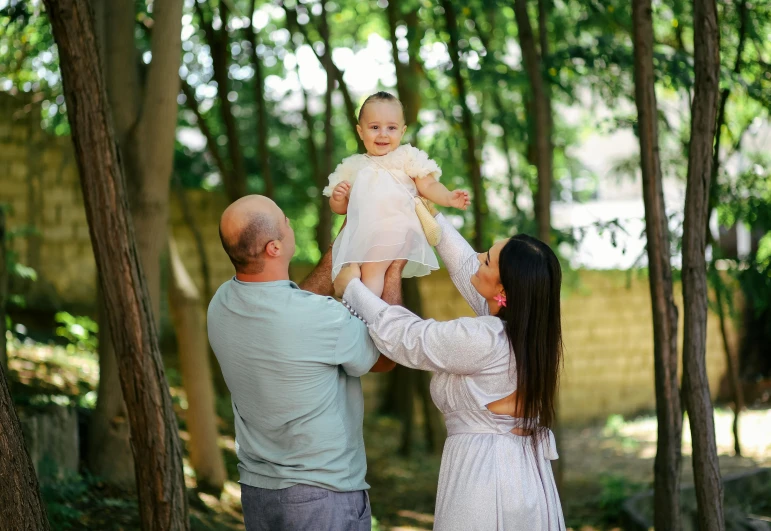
pixel 377 192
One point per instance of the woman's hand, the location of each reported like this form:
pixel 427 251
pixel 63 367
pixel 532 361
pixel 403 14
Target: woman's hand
pixel 458 199
pixel 344 277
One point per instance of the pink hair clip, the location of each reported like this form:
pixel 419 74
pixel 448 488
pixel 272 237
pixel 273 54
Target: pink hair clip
pixel 500 299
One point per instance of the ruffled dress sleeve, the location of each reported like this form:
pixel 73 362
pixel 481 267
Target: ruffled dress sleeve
pixel 345 171
pixel 418 165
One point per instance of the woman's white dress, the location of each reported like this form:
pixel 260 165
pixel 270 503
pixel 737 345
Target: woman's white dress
pixel 382 224
pixel 490 479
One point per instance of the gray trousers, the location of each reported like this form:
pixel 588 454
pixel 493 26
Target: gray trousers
pixel 305 508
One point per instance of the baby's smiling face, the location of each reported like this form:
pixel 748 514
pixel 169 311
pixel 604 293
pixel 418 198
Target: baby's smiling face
pixel 381 127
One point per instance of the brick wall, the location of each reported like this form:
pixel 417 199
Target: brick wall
pixel 606 318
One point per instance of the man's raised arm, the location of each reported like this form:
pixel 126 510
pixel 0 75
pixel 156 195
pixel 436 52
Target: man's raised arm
pixel 319 281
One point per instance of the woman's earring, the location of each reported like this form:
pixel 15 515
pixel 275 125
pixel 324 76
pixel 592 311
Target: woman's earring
pixel 500 299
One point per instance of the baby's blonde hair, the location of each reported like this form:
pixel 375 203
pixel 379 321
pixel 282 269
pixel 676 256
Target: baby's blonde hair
pixel 380 96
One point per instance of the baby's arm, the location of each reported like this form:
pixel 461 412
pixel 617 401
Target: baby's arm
pixel 438 193
pixel 338 201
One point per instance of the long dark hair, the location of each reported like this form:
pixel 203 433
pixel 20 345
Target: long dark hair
pixel 531 277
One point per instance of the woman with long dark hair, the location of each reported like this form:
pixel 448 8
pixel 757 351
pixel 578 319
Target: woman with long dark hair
pixel 495 379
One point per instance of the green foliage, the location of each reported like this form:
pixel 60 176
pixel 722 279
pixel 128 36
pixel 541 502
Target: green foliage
pixel 746 200
pixel 80 502
pixel 81 332
pixel 29 62
pixel 615 491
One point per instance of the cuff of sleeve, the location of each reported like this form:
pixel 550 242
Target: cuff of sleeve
pixel 363 300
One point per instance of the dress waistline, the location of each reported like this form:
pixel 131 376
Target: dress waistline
pixel 484 421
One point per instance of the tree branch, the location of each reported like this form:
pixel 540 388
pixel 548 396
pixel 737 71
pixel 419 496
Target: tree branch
pixel 158 119
pixel 122 73
pixel 259 100
pixel 337 74
pixel 211 142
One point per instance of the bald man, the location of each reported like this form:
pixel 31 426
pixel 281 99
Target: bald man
pixel 292 357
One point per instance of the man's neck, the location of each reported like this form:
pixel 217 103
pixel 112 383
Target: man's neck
pixel 267 275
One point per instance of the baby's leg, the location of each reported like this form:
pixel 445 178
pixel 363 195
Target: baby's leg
pixel 373 275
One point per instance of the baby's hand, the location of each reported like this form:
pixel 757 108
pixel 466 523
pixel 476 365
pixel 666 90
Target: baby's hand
pixel 341 191
pixel 458 199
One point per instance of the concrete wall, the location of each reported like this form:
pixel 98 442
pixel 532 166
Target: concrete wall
pixel 606 318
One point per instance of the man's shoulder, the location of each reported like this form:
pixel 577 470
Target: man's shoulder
pixel 220 293
pixel 327 308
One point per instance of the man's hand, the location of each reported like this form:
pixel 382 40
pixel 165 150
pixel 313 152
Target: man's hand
pixel 341 191
pixel 344 277
pixel 459 199
pixel 394 271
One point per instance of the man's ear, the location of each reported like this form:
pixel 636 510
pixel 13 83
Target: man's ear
pixel 273 249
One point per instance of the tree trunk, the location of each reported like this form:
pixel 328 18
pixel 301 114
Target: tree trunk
pixel 405 385
pixel 668 412
pixel 154 436
pixel 732 359
pixel 408 76
pixel 144 117
pixel 724 95
pixel 220 386
pixel 324 228
pixel 189 322
pixel 211 142
pixel 433 425
pixel 234 180
pixel 542 120
pixel 732 363
pixel 108 429
pixel 20 505
pixel 479 204
pixel 262 114
pixel 3 290
pixel 499 111
pixel 709 487
pixel 320 178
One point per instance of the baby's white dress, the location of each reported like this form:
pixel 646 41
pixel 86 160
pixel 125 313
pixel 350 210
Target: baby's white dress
pixel 382 224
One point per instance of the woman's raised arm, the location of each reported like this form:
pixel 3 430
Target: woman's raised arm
pixel 461 346
pixel 461 262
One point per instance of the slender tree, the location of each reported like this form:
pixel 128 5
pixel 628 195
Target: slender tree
pixel 668 411
pixel 542 119
pixel 261 104
pixel 20 504
pixel 329 66
pixel 187 312
pixel 405 385
pixel 324 228
pixel 732 358
pixel 144 112
pixel 219 45
pixel 3 289
pixel 154 436
pixel 479 204
pixel 706 470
